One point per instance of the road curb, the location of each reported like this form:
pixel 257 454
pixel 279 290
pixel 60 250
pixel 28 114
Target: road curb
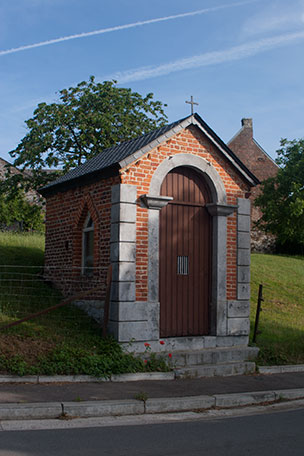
pixel 70 410
pixel 34 411
pixel 132 377
pixel 179 404
pixel 281 369
pixel 91 409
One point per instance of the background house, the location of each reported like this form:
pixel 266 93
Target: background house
pixel 32 196
pixel 262 166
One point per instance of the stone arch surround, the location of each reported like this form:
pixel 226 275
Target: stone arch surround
pixel 219 211
pixel 199 164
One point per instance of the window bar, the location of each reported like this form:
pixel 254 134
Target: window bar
pixel 183 265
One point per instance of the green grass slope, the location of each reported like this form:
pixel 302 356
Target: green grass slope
pixel 281 338
pixel 21 249
pixel 65 341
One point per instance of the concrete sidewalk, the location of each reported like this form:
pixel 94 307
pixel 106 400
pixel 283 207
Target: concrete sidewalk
pixel 97 399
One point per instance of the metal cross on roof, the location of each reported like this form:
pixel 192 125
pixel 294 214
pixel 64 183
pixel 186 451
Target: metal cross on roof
pixel 192 103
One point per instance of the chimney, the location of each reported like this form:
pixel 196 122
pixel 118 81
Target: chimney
pixel 247 123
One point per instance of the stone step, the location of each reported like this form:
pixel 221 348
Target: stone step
pixel 212 370
pixel 173 344
pixel 213 356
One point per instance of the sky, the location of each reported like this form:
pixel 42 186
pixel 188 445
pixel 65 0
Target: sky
pixel 236 58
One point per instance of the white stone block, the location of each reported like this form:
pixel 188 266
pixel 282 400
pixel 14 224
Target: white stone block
pixel 243 274
pixel 238 309
pixel 124 272
pixel 123 251
pixel 244 206
pixel 243 223
pixel 123 232
pixel 123 212
pixel 243 257
pixel 123 291
pixel 238 326
pixel 124 193
pixel 243 240
pixel 243 291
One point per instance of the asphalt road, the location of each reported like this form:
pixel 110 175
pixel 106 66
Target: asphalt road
pixel 280 433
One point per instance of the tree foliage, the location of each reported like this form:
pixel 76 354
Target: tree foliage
pixel 17 213
pixel 282 197
pixel 86 120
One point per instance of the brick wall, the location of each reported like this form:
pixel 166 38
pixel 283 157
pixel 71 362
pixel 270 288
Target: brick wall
pixel 65 217
pixel 140 174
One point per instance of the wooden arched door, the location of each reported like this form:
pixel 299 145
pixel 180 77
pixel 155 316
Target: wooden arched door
pixel 185 255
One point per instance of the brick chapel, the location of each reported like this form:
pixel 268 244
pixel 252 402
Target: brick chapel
pixel 171 212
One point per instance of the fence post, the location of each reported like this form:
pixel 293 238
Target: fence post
pixel 257 316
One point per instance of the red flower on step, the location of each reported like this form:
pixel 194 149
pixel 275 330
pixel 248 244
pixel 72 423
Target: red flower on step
pixel 146 344
pixel 170 355
pixel 162 342
pixel 145 361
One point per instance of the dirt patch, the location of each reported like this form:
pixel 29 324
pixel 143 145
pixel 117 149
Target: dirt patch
pixel 29 348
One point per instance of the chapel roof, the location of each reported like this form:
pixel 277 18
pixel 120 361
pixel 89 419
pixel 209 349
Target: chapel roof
pixel 129 151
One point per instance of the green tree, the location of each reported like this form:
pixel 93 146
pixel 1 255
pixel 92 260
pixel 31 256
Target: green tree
pixel 282 197
pixel 87 119
pixel 16 209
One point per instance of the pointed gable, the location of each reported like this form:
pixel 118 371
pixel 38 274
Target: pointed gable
pixel 116 157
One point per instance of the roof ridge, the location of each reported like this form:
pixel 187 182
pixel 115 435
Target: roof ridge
pixel 130 150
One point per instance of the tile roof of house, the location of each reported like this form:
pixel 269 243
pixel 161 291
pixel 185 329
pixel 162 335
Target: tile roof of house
pixel 129 151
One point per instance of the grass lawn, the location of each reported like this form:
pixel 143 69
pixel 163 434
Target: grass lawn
pixel 281 340
pixel 65 341
pixel 21 249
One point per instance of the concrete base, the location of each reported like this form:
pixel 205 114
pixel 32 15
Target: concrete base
pixel 137 321
pixel 215 356
pixel 220 370
pixel 174 344
pixel 93 308
pixel 209 362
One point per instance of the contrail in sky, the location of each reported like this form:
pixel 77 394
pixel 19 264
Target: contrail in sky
pixel 123 27
pixel 209 58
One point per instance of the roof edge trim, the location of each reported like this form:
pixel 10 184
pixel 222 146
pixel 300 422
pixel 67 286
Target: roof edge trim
pixel 252 181
pixel 195 120
pixel 156 142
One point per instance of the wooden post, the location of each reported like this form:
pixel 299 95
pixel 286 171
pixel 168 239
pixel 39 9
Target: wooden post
pixel 257 316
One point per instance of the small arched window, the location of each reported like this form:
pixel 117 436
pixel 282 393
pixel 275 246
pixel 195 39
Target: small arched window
pixel 88 246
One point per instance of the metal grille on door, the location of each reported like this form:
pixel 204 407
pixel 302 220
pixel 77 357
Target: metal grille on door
pixel 182 265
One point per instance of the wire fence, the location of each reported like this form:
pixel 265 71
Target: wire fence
pixel 25 290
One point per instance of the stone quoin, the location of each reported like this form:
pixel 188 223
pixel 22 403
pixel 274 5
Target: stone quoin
pixel 170 212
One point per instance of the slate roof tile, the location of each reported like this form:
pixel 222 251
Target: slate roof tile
pixel 112 155
pixel 117 154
